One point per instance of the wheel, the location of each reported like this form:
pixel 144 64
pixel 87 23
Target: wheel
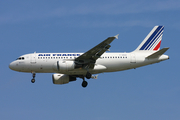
pixel 33 80
pixel 88 75
pixel 84 84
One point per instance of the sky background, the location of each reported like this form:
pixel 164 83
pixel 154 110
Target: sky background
pixel 147 93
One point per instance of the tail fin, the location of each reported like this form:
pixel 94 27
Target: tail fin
pixel 152 40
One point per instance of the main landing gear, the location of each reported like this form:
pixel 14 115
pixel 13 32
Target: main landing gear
pixel 84 83
pixel 88 76
pixel 33 75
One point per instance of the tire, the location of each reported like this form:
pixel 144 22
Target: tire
pixel 84 84
pixel 33 80
pixel 88 75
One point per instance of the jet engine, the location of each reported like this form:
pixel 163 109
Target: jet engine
pixel 62 79
pixel 66 65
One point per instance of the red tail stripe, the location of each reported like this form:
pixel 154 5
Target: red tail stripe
pixel 158 46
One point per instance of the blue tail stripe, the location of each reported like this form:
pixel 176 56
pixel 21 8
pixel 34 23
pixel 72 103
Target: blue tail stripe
pixel 154 42
pixel 154 39
pixel 151 37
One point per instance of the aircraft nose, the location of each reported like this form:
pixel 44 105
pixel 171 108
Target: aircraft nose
pixel 12 65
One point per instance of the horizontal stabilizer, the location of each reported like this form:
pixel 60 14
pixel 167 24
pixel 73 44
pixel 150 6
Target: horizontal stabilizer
pixel 157 54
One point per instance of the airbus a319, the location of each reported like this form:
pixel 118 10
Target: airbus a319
pixel 70 66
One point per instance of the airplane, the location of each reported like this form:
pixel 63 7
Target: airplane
pixel 67 67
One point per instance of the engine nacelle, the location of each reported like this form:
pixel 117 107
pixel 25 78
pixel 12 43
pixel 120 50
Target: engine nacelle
pixel 65 65
pixel 62 79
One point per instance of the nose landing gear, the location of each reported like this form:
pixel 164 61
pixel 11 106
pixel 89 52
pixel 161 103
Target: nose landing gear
pixel 33 75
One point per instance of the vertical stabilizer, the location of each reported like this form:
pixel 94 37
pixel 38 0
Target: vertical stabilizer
pixel 152 41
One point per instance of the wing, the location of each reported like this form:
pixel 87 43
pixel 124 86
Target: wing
pixel 90 57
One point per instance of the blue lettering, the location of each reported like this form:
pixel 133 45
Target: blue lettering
pixel 40 55
pixel 59 55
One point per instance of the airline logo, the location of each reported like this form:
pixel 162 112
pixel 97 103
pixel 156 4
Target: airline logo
pixel 153 42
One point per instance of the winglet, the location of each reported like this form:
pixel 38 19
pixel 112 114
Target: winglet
pixel 116 36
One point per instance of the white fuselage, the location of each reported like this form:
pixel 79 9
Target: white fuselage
pixel 108 62
pixel 69 66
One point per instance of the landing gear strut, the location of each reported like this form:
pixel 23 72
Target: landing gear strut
pixel 33 75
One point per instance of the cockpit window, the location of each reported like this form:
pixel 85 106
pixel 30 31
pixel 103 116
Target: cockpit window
pixel 20 58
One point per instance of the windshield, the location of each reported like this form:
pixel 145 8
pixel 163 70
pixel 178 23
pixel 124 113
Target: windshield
pixel 20 58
